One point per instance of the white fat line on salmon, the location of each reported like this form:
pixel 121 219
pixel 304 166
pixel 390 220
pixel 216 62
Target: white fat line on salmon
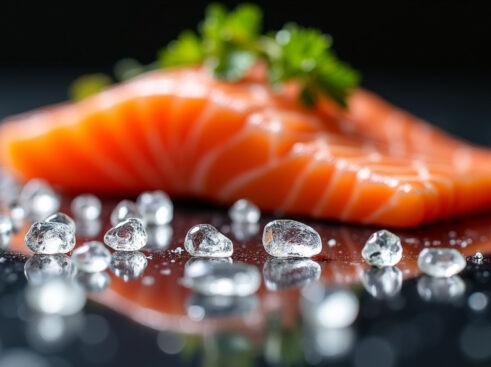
pixel 462 159
pixel 394 131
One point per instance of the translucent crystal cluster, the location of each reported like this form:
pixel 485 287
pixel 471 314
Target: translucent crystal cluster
pixel 244 211
pixel 155 207
pixel 41 267
pixel 382 283
pixel 39 199
pixel 287 273
pixel 441 262
pixel 91 257
pixel 86 207
pixel 206 241
pixel 383 248
pixel 289 238
pixel 62 218
pixel 128 265
pixel 50 238
pixel 128 235
pixel 124 210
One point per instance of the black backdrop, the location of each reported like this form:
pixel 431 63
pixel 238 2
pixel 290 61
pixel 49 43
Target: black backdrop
pixel 368 34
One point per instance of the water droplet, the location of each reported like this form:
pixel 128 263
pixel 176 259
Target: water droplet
pixel 91 257
pixel 41 267
pixel 124 210
pixel 288 273
pixel 58 296
pixel 86 207
pixel 159 238
pixel 94 282
pixel 6 232
pixel 155 207
pixel 50 238
pixel 331 308
pixel 441 262
pixel 61 218
pixel 289 238
pixel 444 290
pixel 382 283
pixel 331 242
pixel 222 279
pixel 128 265
pixel 129 235
pixel 206 241
pixel 383 248
pixel 200 307
pixel 39 199
pixel 244 211
pixel 244 231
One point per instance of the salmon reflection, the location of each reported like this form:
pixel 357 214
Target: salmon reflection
pixel 164 303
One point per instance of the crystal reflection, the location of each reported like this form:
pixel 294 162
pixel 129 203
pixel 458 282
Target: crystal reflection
pixel 210 260
pixel 287 273
pixel 49 333
pixel 128 265
pixel 444 290
pixel 88 229
pixel 322 343
pixel 199 307
pixel 244 231
pixel 41 267
pixel 382 283
pixel 159 237
pixel 94 282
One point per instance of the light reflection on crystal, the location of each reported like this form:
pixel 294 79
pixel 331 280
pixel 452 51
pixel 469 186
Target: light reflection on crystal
pixel 155 207
pixel 159 238
pixel 204 240
pixel 39 199
pixel 382 283
pixel 17 215
pixel 124 210
pixel 6 232
pixel 441 262
pixel 244 231
pixel 321 343
pixel 91 257
pixel 200 307
pixel 443 290
pixel 41 267
pixel 61 218
pixel 9 188
pixel 88 229
pixel 288 273
pixel 128 265
pixel 383 248
pixel 128 235
pixel 50 238
pixel 244 211
pixel 94 282
pixel 86 207
pixel 210 260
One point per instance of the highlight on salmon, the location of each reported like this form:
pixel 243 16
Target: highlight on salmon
pixel 274 119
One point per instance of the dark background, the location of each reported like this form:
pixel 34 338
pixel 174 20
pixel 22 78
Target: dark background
pixel 429 57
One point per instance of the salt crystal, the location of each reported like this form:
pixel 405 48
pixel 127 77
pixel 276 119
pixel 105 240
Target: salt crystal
pixel 94 282
pixel 86 207
pixel 6 232
pixel 382 283
pixel 477 258
pixel 39 199
pixel 91 257
pixel 62 218
pixel 244 211
pixel 155 207
pixel 289 238
pixel 441 262
pixel 88 228
pixel 124 210
pixel 41 267
pixel 129 235
pixel 206 241
pixel 159 237
pixel 445 290
pixel 128 265
pixel 222 279
pixel 59 296
pixel 383 248
pixel 50 238
pixel 328 307
pixel 289 273
pixel 244 231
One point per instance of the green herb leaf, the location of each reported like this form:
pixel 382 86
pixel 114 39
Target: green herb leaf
pixel 186 50
pixel 88 85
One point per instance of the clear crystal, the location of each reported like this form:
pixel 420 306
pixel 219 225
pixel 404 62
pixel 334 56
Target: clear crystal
pixel 382 283
pixel 289 273
pixel 124 210
pixel 222 279
pixel 86 207
pixel 9 188
pixel 244 231
pixel 155 207
pixel 129 235
pixel 244 211
pixel 159 238
pixel 6 232
pixel 193 260
pixel 41 267
pixel 441 262
pixel 206 241
pixel 199 307
pixel 328 307
pixel 94 282
pixel 39 199
pixel 128 265
pixel 58 296
pixel 88 228
pixel 477 258
pixel 91 257
pixel 18 215
pixel 383 248
pixel 50 238
pixel 445 290
pixel 289 238
pixel 61 218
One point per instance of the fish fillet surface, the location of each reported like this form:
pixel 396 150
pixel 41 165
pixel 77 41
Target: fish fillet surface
pixel 193 136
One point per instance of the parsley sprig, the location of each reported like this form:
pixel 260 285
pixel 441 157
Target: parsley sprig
pixel 230 43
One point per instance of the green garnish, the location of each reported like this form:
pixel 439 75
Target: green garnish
pixel 230 43
pixel 87 85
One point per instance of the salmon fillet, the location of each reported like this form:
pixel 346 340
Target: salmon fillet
pixel 184 132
